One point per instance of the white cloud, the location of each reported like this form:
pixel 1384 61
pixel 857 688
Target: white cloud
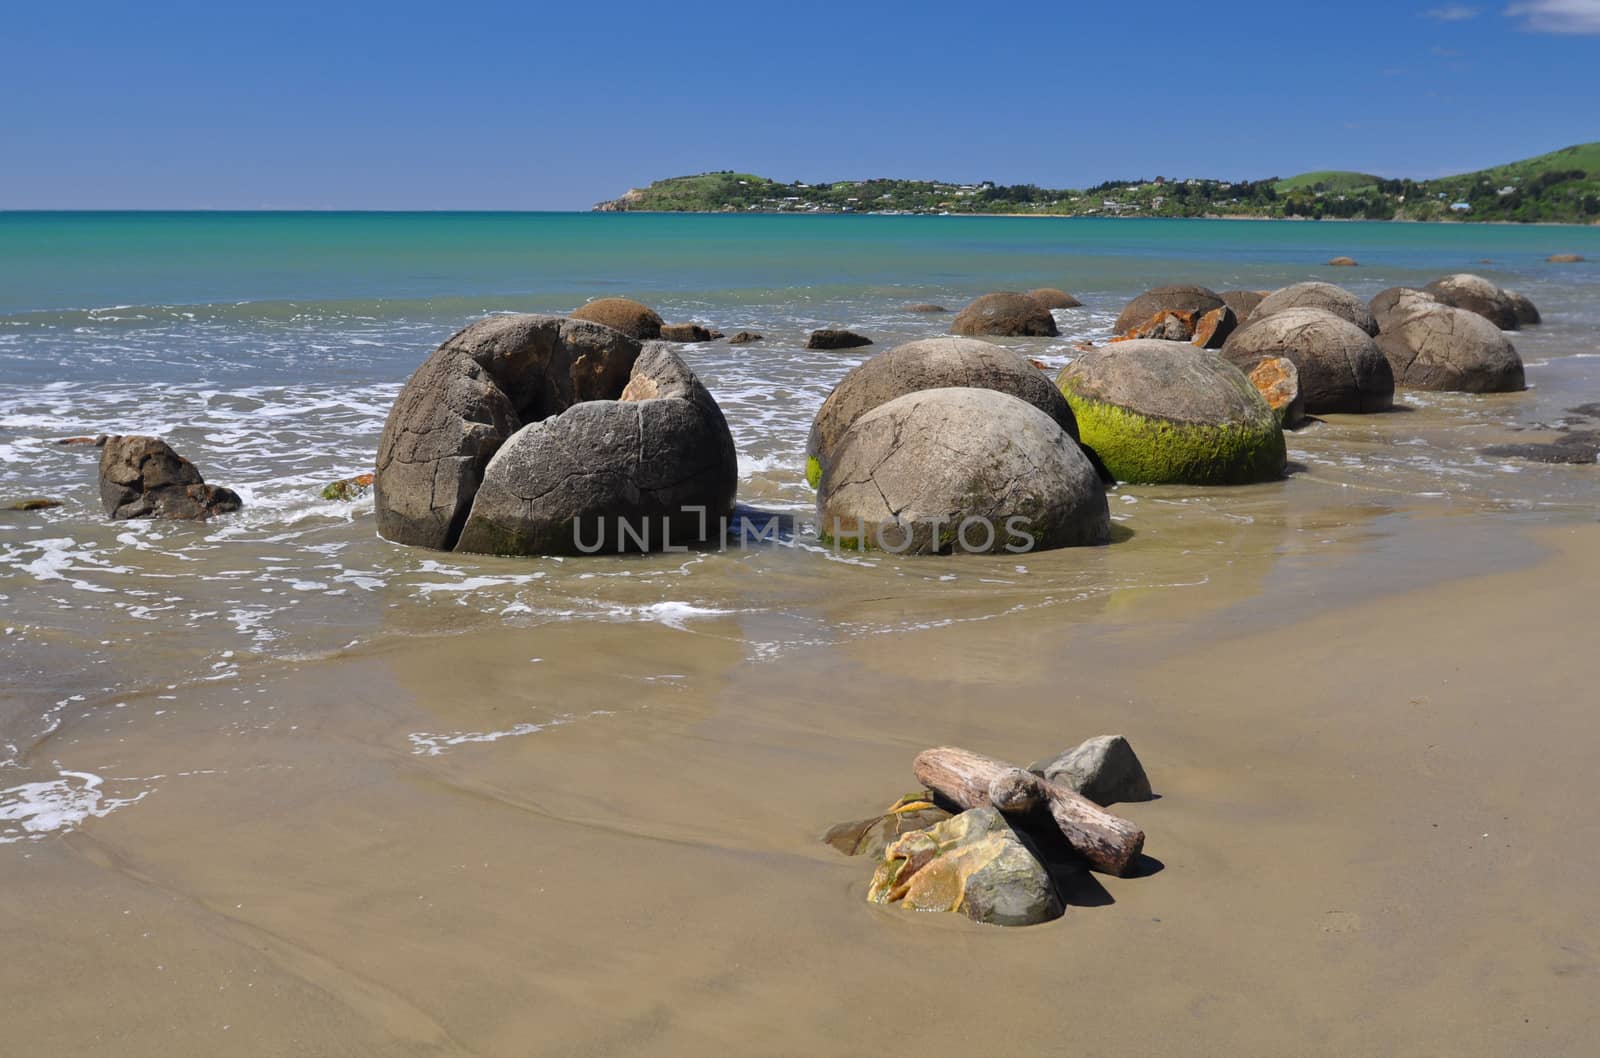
pixel 1452 13
pixel 1558 16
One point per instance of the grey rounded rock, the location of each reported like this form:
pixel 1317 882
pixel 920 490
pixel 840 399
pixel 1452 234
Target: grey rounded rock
pixel 931 363
pixel 1476 294
pixel 960 469
pixel 1007 315
pixel 1527 312
pixel 482 385
pixel 1341 368
pixel 1104 769
pixel 1439 347
pixel 1180 298
pixel 1326 296
pixel 654 469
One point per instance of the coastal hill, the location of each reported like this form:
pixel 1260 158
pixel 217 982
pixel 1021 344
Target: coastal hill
pixel 1562 186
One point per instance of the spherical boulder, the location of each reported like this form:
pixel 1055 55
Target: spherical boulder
pixel 1341 369
pixel 1159 412
pixel 1190 299
pixel 1051 298
pixel 1387 303
pixel 653 469
pixel 960 470
pixel 622 314
pixel 1326 296
pixel 1243 302
pixel 932 363
pixel 1527 312
pixel 1433 346
pixel 1005 315
pixel 1476 294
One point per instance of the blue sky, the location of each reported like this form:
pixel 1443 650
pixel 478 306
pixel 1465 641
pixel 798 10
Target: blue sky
pixel 535 106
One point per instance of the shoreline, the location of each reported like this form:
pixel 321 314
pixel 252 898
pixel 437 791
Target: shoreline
pixel 1097 216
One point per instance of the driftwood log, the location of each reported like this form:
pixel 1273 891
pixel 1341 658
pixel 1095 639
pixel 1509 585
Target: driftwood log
pixel 1110 843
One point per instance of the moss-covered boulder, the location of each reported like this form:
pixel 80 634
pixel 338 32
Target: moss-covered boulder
pixel 1325 296
pixel 622 314
pixel 1476 294
pixel 960 470
pixel 1438 347
pixel 1341 368
pixel 973 863
pixel 1180 298
pixel 1160 412
pixel 932 363
pixel 1005 315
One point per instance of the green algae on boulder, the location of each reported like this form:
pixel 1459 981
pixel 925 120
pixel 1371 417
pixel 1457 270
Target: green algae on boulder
pixel 1160 412
pixel 973 863
pixel 960 470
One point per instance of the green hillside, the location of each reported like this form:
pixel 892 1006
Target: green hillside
pixel 1562 186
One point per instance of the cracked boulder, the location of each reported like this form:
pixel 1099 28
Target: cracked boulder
pixel 1340 366
pixel 1193 300
pixel 142 477
pixel 932 363
pixel 1476 294
pixel 960 469
pixel 1161 412
pixel 653 469
pixel 1435 346
pixel 1388 305
pixel 1243 302
pixel 500 377
pixel 1006 315
pixel 1325 296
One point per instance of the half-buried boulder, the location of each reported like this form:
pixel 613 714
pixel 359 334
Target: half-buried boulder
pixel 869 837
pixel 142 477
pixel 1184 299
pixel 1243 302
pixel 973 863
pixel 1168 413
pixel 1005 315
pixel 482 385
pixel 960 470
pixel 1341 368
pixel 1051 298
pixel 1476 294
pixel 932 363
pixel 1326 296
pixel 1527 312
pixel 688 332
pixel 622 314
pixel 653 469
pixel 1433 346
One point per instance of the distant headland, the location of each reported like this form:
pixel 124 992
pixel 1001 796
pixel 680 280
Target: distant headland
pixel 1560 187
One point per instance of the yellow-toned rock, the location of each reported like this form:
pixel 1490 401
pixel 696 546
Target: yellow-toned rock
pixel 869 837
pixel 973 863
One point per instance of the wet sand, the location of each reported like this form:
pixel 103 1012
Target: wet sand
pixel 1372 836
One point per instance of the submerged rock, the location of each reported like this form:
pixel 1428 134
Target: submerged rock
pixel 96 441
pixel 950 470
pixel 33 503
pixel 870 837
pixel 830 338
pixel 1325 296
pixel 926 306
pixel 1051 298
pixel 1181 298
pixel 1437 347
pixel 932 363
pixel 1104 769
pixel 346 489
pixel 652 469
pixel 1005 315
pixel 1341 368
pixel 688 332
pixel 1169 413
pixel 972 863
pixel 744 338
pixel 637 321
pixel 1565 258
pixel 142 477
pixel 1580 447
pixel 1343 262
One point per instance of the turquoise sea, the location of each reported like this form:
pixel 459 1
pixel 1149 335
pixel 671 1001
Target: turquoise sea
pixel 268 347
